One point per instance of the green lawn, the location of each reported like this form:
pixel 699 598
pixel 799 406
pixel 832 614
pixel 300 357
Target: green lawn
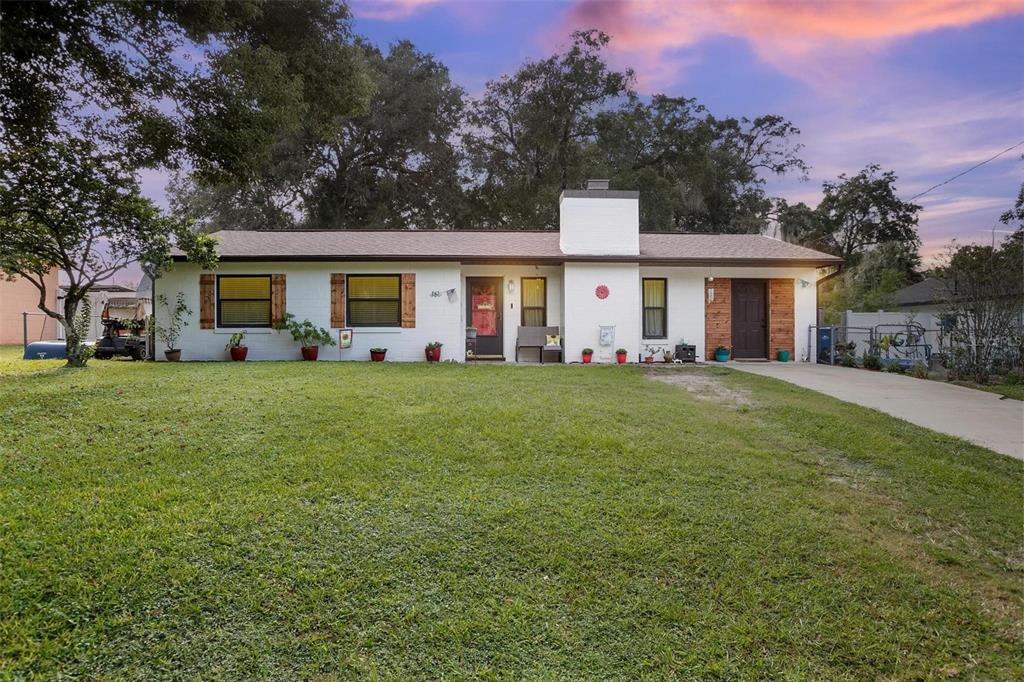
pixel 281 520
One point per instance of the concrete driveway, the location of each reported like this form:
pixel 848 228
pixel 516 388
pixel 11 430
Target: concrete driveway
pixel 980 417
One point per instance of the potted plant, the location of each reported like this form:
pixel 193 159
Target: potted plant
pixel 783 356
pixel 377 354
pixel 470 332
pixel 588 355
pixel 307 335
pixel 175 323
pixel 721 354
pixel 649 357
pixel 666 355
pixel 235 347
pixel 433 351
pixel 620 355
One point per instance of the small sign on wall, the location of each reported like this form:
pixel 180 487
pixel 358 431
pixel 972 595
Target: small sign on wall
pixel 345 338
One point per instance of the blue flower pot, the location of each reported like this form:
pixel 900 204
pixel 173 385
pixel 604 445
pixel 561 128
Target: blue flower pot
pixel 721 355
pixel 783 356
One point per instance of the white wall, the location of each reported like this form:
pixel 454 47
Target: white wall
pixel 585 312
pixel 512 312
pixel 308 295
pixel 600 223
pixel 685 307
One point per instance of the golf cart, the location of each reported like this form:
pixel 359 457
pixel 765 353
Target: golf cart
pixel 124 329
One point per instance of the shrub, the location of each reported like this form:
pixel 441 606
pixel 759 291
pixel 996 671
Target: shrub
pixel 872 361
pixel 305 333
pixel 919 370
pixel 848 359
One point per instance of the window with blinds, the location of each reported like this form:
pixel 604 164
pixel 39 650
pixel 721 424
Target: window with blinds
pixel 655 292
pixel 243 300
pixel 374 300
pixel 534 302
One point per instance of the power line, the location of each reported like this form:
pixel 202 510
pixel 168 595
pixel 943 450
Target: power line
pixel 961 174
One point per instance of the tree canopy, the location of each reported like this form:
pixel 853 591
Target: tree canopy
pixel 426 156
pixel 855 214
pixel 95 91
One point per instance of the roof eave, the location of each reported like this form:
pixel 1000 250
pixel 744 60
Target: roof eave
pixel 547 260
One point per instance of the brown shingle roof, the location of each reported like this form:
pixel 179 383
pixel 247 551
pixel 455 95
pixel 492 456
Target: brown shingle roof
pixel 496 246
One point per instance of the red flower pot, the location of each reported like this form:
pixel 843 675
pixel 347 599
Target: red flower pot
pixel 620 358
pixel 310 353
pixel 433 354
pixel 238 353
pixel 587 357
pixel 377 357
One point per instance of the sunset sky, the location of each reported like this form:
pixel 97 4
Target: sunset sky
pixel 926 88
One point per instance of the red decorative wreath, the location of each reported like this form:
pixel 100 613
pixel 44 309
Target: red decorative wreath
pixel 601 291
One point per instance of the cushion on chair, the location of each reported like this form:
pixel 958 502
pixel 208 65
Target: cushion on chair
pixel 553 340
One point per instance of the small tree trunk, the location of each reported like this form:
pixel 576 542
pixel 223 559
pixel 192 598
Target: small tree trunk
pixel 73 341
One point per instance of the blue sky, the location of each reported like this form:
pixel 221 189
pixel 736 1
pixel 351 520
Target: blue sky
pixel 926 88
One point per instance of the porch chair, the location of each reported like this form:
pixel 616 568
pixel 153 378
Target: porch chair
pixel 536 337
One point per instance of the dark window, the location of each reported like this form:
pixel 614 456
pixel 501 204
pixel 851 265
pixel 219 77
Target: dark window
pixel 243 300
pixel 655 308
pixel 535 301
pixel 374 300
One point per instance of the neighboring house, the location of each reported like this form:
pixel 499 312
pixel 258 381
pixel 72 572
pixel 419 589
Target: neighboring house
pixel 21 296
pixel 402 289
pixel 925 296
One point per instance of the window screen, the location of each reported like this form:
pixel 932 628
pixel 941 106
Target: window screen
pixel 243 300
pixel 655 308
pixel 534 306
pixel 374 300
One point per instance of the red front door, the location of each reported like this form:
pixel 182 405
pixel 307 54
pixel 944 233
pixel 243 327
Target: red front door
pixel 483 311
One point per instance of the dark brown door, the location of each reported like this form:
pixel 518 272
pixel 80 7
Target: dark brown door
pixel 483 311
pixel 749 319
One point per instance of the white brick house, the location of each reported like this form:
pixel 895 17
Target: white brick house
pixel 403 289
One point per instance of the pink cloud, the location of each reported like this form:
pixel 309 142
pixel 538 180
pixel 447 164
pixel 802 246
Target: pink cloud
pixel 812 41
pixel 390 10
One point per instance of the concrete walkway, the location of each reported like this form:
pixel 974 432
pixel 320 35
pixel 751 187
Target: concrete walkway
pixel 978 416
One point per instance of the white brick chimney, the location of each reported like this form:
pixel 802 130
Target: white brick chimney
pixel 598 221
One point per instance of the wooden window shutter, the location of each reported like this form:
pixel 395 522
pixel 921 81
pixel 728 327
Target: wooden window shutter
pixel 408 299
pixel 337 299
pixel 206 301
pixel 278 302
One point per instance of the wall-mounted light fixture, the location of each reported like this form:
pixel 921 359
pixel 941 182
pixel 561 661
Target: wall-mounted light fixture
pixel 511 286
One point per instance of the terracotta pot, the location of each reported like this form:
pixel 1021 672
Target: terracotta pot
pixel 587 357
pixel 649 360
pixel 238 353
pixel 433 354
pixel 310 353
pixel 620 358
pixel 173 355
pixel 378 357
